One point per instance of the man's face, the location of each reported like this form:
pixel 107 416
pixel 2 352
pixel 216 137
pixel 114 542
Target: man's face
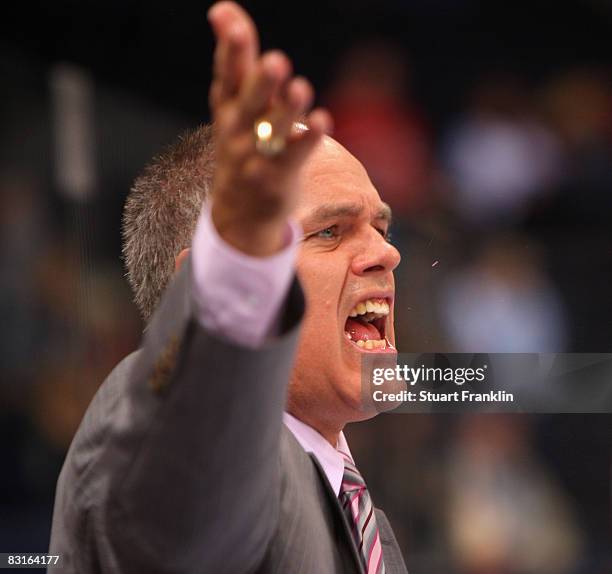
pixel 345 265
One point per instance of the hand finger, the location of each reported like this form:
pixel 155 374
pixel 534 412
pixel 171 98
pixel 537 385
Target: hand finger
pixel 233 60
pixel 237 46
pixel 226 78
pixel 214 96
pixel 263 86
pixel 303 141
pixel 295 101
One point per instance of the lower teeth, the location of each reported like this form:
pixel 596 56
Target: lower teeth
pixel 372 344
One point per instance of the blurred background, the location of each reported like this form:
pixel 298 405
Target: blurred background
pixel 488 128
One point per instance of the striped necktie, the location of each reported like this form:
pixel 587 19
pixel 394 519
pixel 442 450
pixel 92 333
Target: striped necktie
pixel 359 510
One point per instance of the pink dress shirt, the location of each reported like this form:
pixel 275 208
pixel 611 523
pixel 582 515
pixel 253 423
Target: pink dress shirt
pixel 236 295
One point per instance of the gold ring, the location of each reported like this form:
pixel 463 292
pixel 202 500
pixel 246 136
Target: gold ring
pixel 266 142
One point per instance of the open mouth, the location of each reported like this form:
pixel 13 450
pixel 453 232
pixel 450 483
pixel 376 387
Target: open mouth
pixel 366 324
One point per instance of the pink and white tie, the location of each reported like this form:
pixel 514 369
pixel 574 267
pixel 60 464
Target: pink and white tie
pixel 359 510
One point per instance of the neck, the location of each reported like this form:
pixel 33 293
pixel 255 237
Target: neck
pixel 329 432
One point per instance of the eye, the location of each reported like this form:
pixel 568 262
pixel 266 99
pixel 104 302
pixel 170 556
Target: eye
pixel 328 232
pixel 386 234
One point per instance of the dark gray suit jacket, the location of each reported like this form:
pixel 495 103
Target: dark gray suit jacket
pixel 182 463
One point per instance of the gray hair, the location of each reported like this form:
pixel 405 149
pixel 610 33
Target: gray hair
pixel 161 212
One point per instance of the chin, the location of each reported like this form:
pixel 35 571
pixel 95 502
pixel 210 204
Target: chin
pixel 354 396
pixel 356 385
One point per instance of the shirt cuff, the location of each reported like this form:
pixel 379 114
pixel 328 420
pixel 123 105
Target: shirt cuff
pixel 237 296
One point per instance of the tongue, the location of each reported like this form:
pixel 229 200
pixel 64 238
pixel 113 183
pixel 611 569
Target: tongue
pixel 361 331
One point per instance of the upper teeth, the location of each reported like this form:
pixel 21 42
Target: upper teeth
pixel 378 308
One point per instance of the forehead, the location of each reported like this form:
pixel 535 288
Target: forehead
pixel 332 176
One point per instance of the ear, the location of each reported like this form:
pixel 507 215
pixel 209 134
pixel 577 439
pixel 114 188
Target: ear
pixel 180 258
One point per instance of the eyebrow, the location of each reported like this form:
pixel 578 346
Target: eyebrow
pixel 329 211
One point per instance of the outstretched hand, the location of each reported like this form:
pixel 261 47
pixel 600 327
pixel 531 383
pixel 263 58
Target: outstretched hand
pixel 253 193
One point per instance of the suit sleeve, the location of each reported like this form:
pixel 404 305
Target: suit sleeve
pixel 176 465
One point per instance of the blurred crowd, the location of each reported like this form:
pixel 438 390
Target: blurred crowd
pixel 502 214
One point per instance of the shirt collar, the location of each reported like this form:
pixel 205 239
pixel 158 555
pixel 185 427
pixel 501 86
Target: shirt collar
pixel 330 458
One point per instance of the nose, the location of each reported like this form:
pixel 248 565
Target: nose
pixel 375 255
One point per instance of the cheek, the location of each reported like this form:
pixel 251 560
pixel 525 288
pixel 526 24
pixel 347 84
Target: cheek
pixel 322 285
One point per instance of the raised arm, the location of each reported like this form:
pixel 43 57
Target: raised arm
pixel 175 467
pixel 254 193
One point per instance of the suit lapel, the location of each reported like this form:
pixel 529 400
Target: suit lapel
pixel 394 561
pixel 339 516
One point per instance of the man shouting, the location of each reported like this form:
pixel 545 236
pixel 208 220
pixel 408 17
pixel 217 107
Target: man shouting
pixel 257 250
